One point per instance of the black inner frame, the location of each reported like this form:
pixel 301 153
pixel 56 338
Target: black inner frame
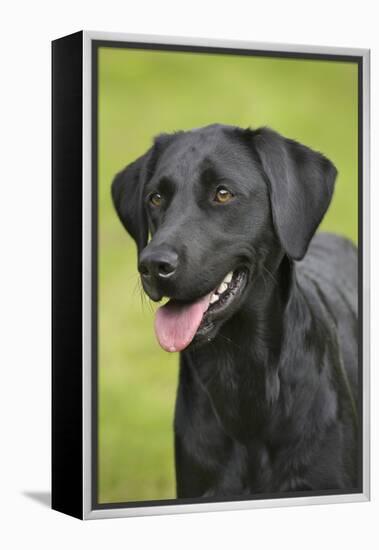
pixel 95 45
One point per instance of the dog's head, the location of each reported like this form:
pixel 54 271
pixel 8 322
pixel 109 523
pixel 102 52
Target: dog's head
pixel 216 202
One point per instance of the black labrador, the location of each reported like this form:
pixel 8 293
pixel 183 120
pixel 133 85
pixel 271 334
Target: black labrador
pixel 263 312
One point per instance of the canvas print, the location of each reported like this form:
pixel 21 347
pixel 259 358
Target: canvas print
pixel 228 321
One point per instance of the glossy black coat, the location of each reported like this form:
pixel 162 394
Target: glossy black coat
pixel 268 402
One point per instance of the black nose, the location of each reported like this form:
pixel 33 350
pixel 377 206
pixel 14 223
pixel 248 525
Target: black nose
pixel 158 263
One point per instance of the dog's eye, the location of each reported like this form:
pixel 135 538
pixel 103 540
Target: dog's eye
pixel 223 195
pixel 155 199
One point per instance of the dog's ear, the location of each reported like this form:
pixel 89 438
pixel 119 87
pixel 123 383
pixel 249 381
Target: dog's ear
pixel 127 195
pixel 301 183
pixel 128 186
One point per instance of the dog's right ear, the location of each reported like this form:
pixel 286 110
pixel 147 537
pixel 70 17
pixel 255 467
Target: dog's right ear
pixel 127 195
pixel 128 186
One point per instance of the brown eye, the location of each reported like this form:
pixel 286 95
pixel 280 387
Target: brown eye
pixel 155 199
pixel 223 195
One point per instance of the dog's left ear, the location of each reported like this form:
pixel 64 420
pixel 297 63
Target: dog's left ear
pixel 301 184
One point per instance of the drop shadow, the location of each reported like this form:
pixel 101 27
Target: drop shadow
pixel 42 497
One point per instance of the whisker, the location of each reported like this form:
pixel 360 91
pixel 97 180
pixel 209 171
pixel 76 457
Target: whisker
pixel 229 341
pixel 270 274
pixel 264 279
pixel 137 287
pixel 144 297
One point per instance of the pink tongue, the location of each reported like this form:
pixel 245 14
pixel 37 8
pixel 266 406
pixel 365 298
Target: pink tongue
pixel 176 324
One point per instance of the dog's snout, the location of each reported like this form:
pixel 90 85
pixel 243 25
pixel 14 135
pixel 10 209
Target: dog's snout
pixel 158 263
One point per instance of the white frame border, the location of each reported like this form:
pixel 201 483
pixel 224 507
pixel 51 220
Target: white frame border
pixel 88 512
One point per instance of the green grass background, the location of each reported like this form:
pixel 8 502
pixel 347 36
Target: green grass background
pixel 141 94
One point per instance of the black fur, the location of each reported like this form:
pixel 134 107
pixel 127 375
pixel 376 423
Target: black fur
pixel 267 399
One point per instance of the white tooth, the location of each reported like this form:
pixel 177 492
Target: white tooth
pixel 229 277
pixel 214 298
pixel 222 288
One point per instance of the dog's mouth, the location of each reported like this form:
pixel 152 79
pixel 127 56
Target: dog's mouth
pixel 178 323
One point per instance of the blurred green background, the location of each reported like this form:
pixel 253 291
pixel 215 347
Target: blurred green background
pixel 143 93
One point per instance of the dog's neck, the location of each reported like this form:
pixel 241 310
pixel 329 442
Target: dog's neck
pixel 242 372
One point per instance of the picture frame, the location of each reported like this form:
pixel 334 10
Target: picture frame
pixel 75 292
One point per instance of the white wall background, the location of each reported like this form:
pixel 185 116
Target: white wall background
pixel 27 28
